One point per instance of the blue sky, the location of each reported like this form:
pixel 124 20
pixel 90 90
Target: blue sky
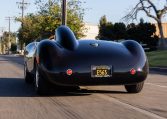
pixel 113 9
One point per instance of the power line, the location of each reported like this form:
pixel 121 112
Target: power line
pixel 9 20
pixel 22 5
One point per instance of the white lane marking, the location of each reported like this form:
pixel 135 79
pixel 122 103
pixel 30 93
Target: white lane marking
pixel 156 85
pixel 111 99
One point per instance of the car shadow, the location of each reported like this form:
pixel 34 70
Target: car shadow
pixel 16 87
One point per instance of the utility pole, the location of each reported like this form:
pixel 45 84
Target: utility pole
pixel 64 12
pixel 50 3
pixel 9 41
pixel 22 5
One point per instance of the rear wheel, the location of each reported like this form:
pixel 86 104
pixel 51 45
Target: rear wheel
pixel 136 88
pixel 27 76
pixel 41 85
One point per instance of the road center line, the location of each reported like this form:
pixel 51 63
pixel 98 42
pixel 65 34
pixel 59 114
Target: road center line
pixel 156 85
pixel 111 99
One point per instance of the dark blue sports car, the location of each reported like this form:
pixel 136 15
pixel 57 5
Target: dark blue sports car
pixel 66 61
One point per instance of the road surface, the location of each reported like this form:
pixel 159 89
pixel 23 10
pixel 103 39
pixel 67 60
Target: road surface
pixel 19 100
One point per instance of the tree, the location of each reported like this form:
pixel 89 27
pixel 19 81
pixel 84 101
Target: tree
pixel 105 27
pixel 42 24
pixel 31 29
pixel 52 12
pixel 119 31
pixel 102 27
pixel 143 33
pixel 13 47
pixel 5 43
pixel 109 31
pixel 6 38
pixel 152 11
pixel 132 32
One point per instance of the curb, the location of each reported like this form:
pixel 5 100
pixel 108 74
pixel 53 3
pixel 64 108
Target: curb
pixel 159 69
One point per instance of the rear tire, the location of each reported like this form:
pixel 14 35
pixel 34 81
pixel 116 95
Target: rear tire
pixel 41 86
pixel 136 88
pixel 27 76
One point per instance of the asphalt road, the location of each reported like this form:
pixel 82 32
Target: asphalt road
pixel 19 101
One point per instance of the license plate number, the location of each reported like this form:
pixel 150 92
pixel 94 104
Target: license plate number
pixel 100 71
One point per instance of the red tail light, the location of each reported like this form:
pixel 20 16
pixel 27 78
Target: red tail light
pixel 69 72
pixel 132 71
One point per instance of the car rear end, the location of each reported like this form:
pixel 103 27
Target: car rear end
pixel 95 63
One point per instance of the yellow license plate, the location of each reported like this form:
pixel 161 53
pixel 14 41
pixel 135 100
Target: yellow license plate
pixel 101 71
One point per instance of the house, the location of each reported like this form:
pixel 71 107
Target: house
pixel 164 25
pixel 91 31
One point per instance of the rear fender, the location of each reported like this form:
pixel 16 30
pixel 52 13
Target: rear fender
pixel 138 53
pixel 134 47
pixel 47 53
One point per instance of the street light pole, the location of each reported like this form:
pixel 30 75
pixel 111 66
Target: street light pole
pixel 64 12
